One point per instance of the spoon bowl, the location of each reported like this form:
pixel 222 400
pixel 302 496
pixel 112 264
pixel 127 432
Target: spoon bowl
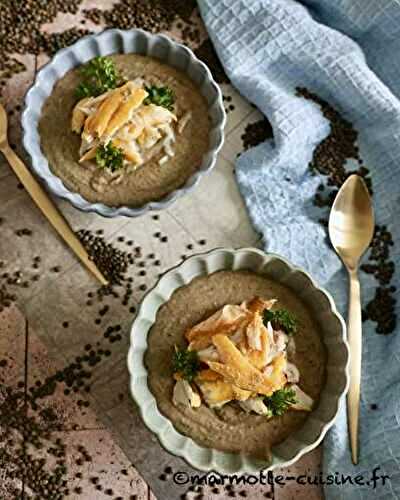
pixel 351 221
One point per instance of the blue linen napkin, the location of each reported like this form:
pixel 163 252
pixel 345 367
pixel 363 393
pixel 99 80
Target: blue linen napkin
pixel 348 53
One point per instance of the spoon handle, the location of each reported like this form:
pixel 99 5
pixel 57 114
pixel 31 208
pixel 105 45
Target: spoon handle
pixel 354 335
pixel 50 211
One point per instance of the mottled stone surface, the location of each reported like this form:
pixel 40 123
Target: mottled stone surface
pixel 110 428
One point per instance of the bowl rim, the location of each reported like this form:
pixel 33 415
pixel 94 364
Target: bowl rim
pixel 56 185
pixel 159 430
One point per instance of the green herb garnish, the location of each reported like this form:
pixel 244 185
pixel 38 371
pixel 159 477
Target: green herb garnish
pixel 186 363
pixel 161 96
pixel 281 319
pixel 280 401
pixel 110 157
pixel 99 75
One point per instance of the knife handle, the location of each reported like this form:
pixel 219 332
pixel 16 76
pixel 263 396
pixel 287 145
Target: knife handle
pixel 354 336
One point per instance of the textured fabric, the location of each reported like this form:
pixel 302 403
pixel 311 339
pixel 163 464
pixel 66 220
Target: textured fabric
pixel 347 52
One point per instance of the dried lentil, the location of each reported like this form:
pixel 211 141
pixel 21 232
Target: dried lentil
pixel 255 133
pixel 329 160
pixel 150 15
pixel 206 53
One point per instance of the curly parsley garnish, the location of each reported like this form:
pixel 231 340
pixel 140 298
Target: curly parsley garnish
pixel 281 319
pixel 186 363
pixel 99 75
pixel 280 401
pixel 110 157
pixel 160 96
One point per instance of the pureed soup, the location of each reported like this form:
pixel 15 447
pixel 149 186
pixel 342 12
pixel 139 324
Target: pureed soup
pixel 228 427
pixel 150 154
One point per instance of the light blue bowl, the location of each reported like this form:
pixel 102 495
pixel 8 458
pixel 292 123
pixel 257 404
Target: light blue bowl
pixel 122 42
pixel 332 330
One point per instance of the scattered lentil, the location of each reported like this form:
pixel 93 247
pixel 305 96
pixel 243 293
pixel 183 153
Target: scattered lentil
pixel 21 33
pixel 255 133
pixel 329 160
pixel 150 15
pixel 206 53
pixel 23 232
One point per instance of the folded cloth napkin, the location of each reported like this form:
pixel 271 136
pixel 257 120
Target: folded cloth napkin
pixel 346 52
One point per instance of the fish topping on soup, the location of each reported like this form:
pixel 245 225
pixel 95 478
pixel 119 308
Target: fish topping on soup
pixel 124 129
pixel 239 355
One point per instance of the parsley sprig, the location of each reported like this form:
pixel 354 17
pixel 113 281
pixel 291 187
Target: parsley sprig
pixel 109 156
pixel 186 363
pixel 280 401
pixel 281 319
pixel 99 75
pixel 160 96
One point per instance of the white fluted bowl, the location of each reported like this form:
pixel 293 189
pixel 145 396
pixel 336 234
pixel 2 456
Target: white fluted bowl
pixel 332 328
pixel 116 41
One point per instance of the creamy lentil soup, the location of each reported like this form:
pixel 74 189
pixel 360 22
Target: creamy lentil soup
pixel 221 421
pixel 157 159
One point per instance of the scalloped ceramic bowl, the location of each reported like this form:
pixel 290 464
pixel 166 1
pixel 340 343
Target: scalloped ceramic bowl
pixel 332 329
pixel 111 42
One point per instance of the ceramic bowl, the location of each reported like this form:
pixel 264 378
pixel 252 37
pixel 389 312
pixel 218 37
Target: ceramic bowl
pixel 111 42
pixel 332 330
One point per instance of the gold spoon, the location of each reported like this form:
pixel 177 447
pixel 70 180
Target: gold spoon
pixel 351 228
pixel 43 201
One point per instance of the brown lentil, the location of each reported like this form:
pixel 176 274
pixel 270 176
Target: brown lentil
pixel 329 160
pixel 206 53
pixel 21 33
pixel 255 133
pixel 150 15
